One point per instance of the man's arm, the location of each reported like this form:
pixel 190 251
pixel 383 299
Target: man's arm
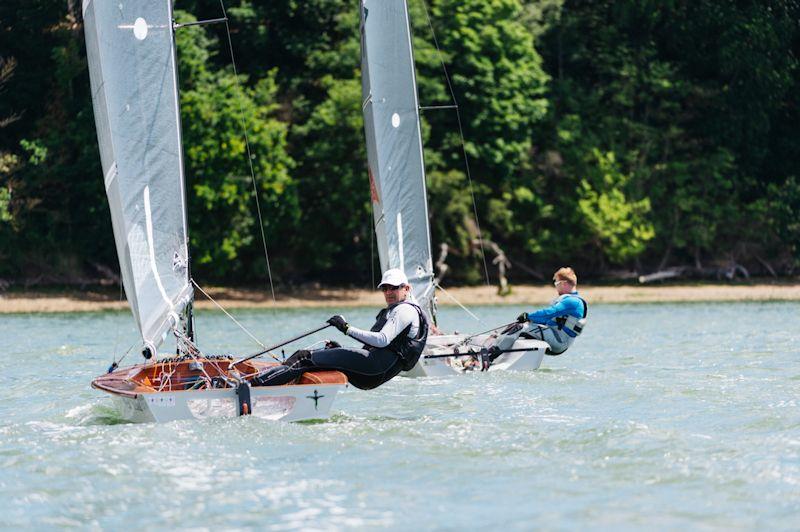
pixel 398 319
pixel 566 306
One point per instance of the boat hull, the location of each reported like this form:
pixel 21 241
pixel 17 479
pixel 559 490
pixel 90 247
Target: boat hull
pixel 527 360
pixel 276 403
pixel 170 390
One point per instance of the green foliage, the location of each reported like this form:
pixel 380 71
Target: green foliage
pixel 5 199
pixel 499 84
pixel 602 134
pixel 497 79
pixel 618 226
pixel 784 215
pixel 450 210
pixel 336 229
pixel 7 163
pixel 687 96
pixel 216 110
pixel 37 151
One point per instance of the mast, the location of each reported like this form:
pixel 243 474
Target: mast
pixel 395 158
pixel 189 311
pixel 132 66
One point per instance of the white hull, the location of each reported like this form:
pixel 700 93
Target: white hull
pixel 278 403
pixel 200 388
pixel 528 360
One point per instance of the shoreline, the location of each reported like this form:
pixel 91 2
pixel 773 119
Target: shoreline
pixel 14 302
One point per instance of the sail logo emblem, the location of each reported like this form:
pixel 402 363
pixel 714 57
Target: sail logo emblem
pixel 140 28
pixel 316 397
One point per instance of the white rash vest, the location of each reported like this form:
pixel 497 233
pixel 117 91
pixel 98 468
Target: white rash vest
pixel 400 317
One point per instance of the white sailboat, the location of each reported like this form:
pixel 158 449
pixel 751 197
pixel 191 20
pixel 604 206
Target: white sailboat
pixel 398 190
pixel 132 63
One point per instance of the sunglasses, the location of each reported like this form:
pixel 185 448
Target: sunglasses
pixel 389 288
pixel 556 283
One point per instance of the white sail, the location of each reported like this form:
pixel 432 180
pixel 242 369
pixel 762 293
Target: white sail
pixel 132 66
pixel 394 145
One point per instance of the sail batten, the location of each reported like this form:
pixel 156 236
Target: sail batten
pixel 394 145
pixel 132 67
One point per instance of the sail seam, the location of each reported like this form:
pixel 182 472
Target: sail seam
pixel 110 175
pixel 400 250
pixel 148 220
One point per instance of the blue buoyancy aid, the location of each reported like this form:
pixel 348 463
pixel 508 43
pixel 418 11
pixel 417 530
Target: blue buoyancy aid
pixel 567 313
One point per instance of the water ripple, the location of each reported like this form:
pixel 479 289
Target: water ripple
pixel 664 416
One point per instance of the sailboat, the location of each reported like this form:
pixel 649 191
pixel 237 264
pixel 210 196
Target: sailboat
pixel 132 65
pixel 396 171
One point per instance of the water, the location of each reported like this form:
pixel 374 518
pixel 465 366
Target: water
pixel 662 416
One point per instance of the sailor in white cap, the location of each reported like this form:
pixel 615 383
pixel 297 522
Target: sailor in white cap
pixel 393 344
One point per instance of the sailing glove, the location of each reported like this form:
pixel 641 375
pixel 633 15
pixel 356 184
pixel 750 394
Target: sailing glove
pixel 339 322
pixel 522 318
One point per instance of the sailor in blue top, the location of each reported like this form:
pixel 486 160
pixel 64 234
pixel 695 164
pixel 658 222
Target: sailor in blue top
pixel 564 320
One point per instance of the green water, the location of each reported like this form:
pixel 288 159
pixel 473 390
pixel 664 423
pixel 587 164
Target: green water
pixel 660 416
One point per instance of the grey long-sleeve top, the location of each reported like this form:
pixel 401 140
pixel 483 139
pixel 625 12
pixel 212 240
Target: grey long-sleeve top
pixel 398 319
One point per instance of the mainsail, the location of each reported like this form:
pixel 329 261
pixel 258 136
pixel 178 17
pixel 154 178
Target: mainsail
pixel 394 145
pixel 132 66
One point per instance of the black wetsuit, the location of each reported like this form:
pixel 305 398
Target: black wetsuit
pixel 365 368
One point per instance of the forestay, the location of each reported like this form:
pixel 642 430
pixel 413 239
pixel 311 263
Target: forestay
pixel 132 66
pixel 394 145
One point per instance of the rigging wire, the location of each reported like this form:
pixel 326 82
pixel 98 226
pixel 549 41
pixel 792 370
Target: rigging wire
pixel 114 362
pixel 471 336
pixel 461 134
pixel 188 347
pixel 249 154
pixel 242 327
pixel 457 302
pixel 193 351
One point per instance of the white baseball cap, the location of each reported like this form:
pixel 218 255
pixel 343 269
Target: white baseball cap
pixel 393 277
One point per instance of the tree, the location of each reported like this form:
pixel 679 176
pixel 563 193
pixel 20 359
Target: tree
pixel 230 129
pixel 499 84
pixel 56 194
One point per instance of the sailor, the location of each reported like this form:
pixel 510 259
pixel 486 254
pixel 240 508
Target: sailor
pixel 561 322
pixel 393 344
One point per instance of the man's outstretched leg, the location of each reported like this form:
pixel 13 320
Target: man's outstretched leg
pixel 364 369
pixel 290 370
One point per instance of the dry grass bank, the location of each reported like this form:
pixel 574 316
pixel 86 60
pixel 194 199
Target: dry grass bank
pixel 82 301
